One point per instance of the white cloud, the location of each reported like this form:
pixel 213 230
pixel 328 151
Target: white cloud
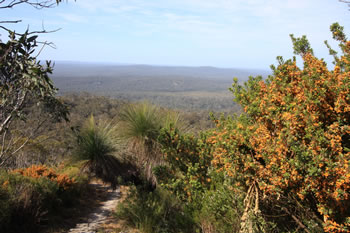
pixel 72 17
pixel 121 9
pixel 193 24
pixel 110 5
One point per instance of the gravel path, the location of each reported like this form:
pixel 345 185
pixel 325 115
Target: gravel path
pixel 98 216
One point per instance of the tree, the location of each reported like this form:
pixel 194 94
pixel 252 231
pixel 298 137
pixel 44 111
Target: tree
pixel 140 126
pixel 24 81
pixel 97 145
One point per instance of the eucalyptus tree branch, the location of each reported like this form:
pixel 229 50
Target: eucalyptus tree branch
pixel 11 21
pixel 3 144
pixel 346 1
pixel 43 31
pixel 45 43
pixel 18 106
pixel 29 33
pixel 36 4
pixel 8 151
pixel 29 137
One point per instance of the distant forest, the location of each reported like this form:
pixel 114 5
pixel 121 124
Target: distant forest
pixel 184 88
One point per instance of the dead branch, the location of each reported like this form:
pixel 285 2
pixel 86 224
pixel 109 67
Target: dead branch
pixel 36 4
pixel 296 219
pixel 28 33
pixel 6 152
pixel 346 1
pixel 251 202
pixel 11 21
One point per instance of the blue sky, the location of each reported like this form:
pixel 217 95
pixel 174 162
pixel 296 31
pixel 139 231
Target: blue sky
pixel 221 33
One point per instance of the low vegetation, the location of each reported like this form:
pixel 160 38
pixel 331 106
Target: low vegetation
pixel 156 211
pixel 34 195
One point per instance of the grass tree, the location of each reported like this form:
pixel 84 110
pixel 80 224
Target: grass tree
pixel 97 145
pixel 140 126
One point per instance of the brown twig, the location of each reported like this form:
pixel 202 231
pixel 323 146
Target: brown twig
pixel 296 219
pixel 11 21
pixel 35 4
pixel 29 33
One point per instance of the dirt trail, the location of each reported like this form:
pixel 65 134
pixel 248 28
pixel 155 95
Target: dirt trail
pixel 100 214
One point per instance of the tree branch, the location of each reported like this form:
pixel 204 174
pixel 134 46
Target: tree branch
pixel 3 144
pixel 50 44
pixel 35 4
pixel 11 21
pixel 19 104
pixel 296 220
pixel 29 33
pixel 346 1
pixel 12 143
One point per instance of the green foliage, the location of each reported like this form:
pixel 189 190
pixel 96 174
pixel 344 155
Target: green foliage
pixel 301 45
pixel 140 126
pixel 73 171
pixel 97 145
pixel 95 141
pixel 141 123
pixel 338 33
pixel 23 79
pixel 24 82
pixel 221 208
pixel 155 212
pixel 187 164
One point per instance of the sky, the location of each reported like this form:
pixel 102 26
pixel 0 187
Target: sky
pixel 221 33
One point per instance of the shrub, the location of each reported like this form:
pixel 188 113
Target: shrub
pixel 140 126
pixel 5 205
pixel 288 153
pixel 97 145
pixel 186 172
pixel 31 195
pixel 293 141
pixel 221 208
pixel 41 171
pixel 154 212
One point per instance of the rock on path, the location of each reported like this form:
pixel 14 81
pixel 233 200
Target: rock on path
pixel 100 215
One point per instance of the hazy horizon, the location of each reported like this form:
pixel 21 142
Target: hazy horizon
pixel 237 33
pixel 181 87
pixel 111 63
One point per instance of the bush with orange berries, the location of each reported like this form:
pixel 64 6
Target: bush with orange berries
pixel 31 195
pixel 294 138
pixel 42 171
pixel 289 151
